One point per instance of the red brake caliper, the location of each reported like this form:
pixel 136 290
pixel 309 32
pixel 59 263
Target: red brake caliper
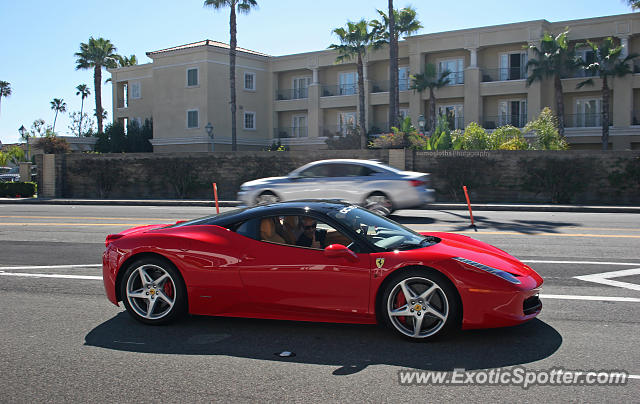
pixel 401 301
pixel 168 289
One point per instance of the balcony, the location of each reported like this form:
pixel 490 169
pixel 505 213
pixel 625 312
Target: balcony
pixel 504 74
pixel 494 121
pixel 382 86
pixel 455 78
pixel 335 130
pixel 292 94
pixel 343 89
pixel 290 132
pixel 587 120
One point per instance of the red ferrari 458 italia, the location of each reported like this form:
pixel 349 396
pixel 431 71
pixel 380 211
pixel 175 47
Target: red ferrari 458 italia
pixel 317 261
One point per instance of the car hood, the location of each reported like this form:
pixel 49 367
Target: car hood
pixel 265 181
pixel 457 245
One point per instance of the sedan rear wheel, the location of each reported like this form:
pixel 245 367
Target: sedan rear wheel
pixel 153 291
pixel 420 305
pixel 379 203
pixel 267 198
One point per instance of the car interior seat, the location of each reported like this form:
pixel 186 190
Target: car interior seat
pixel 268 231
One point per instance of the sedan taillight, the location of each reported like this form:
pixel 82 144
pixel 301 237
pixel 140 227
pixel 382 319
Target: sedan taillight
pixel 416 183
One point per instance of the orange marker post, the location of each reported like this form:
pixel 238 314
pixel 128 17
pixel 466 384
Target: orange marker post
pixel 215 195
pixel 466 194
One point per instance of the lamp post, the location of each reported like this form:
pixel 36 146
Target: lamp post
pixel 421 123
pixel 209 129
pixel 22 130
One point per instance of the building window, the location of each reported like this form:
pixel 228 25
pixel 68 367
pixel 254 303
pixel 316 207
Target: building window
pixel 512 112
pixel 513 66
pixel 299 126
pixel 301 87
pixel 250 120
pixel 346 122
pixel 588 113
pixel 192 77
pixel 192 119
pixel 404 113
pixel 250 81
pixel 454 115
pixel 135 90
pixel 455 68
pixel 347 83
pixel 403 78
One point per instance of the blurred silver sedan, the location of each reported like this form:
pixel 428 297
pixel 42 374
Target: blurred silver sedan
pixel 363 182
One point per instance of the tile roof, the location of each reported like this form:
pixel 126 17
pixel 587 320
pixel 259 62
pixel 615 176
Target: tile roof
pixel 206 42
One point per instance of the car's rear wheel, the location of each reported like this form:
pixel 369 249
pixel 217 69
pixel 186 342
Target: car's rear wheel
pixel 420 305
pixel 153 291
pixel 267 198
pixel 379 202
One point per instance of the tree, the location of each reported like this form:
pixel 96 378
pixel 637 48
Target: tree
pixel 5 89
pixel 243 7
pixel 96 54
pixel 607 63
pixel 88 128
pixel 545 128
pixel 635 4
pixel 16 154
pixel 58 105
pixel 404 23
pixel 37 128
pixel 430 79
pixel 123 61
pixel 83 92
pixel 355 40
pixel 554 59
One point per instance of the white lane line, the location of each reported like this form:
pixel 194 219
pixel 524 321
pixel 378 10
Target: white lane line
pixel 595 298
pixel 637 377
pixel 60 276
pixel 581 262
pixel 52 267
pixel 604 278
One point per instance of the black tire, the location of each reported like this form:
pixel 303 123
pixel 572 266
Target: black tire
pixel 266 198
pixel 138 296
pixel 443 300
pixel 380 203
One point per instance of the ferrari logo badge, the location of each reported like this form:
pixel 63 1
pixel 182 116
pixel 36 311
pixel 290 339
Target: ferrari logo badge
pixel 379 262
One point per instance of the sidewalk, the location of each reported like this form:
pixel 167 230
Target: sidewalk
pixel 435 206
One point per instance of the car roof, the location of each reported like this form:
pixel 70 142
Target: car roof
pixel 374 163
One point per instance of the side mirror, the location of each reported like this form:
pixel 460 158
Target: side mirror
pixel 294 177
pixel 339 251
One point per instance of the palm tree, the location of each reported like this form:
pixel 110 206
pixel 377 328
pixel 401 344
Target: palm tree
pixel 57 105
pixel 124 61
pixel 394 94
pixel 607 63
pixel 84 92
pixel 556 60
pixel 96 54
pixel 635 4
pixel 429 79
pixel 355 40
pixel 243 7
pixel 5 89
pixel 405 23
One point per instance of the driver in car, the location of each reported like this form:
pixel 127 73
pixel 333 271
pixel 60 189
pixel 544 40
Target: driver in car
pixel 311 237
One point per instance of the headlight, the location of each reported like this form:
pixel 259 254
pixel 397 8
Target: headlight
pixel 244 188
pixel 495 271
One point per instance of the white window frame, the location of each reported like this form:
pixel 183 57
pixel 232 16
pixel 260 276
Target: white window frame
pixel 135 84
pixel 343 129
pixel 501 68
pixel 295 91
pixel 580 116
pixel 355 82
pixel 456 116
pixel 408 83
pixel 197 69
pixel 197 111
pixel 461 72
pixel 295 130
pixel 244 120
pixel 507 119
pixel 404 112
pixel 244 81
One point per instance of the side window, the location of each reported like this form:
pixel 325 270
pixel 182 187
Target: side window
pixel 321 170
pixel 248 229
pixel 349 170
pixel 314 233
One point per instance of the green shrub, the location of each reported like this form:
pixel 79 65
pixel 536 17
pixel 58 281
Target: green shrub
pixel 12 189
pixel 474 137
pixel 545 128
pixel 507 138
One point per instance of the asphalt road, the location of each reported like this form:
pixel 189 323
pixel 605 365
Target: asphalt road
pixel 63 341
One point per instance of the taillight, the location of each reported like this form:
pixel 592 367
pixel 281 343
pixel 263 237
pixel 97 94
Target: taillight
pixel 112 237
pixel 416 183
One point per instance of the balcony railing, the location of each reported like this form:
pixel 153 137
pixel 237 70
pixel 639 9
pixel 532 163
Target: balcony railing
pixel 382 86
pixel 455 78
pixel 456 122
pixel 579 74
pixel 504 74
pixel 493 121
pixel 292 94
pixel 379 128
pixel 290 132
pixel 588 120
pixel 343 89
pixel 335 130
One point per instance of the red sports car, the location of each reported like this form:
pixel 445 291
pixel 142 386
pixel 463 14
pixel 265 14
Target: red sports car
pixel 317 261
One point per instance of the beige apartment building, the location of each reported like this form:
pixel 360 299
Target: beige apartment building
pixel 300 99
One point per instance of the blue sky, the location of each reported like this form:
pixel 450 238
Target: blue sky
pixel 38 38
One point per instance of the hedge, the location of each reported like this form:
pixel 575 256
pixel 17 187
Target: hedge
pixel 12 189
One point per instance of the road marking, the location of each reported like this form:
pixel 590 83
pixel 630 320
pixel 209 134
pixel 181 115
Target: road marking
pixel 53 266
pixel 513 233
pixel 593 298
pixel 604 278
pixel 581 262
pixel 74 224
pixel 637 377
pixel 60 276
pixel 89 217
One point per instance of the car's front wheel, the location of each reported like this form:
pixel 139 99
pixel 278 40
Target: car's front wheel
pixel 153 291
pixel 420 305
pixel 379 203
pixel 267 198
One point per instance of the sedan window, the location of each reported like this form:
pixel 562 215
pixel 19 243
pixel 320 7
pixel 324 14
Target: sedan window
pixel 349 170
pixel 317 171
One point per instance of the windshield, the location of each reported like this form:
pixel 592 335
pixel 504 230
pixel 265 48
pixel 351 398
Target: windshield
pixel 206 219
pixel 380 231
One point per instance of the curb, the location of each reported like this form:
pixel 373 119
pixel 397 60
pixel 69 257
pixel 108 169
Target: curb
pixel 433 206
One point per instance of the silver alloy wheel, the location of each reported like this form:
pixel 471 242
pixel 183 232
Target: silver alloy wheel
pixel 151 292
pixel 378 203
pixel 266 198
pixel 418 307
